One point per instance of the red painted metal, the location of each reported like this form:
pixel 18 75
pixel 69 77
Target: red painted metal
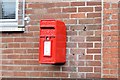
pixel 52 46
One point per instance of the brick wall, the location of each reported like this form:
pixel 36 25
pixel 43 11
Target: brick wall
pixel 83 22
pixel 92 48
pixel 110 40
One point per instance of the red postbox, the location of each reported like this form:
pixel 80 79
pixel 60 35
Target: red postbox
pixel 52 47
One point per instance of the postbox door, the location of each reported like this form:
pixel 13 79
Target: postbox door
pixel 47 50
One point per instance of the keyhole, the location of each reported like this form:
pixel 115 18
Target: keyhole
pixel 47 38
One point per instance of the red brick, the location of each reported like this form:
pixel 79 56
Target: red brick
pixel 10 62
pixel 20 62
pixel 98 9
pixel 97 45
pixel 106 71
pixel 77 51
pixel 93 75
pixel 114 72
pixel 97 69
pixel 73 75
pixel 46 68
pixel 93 63
pixel 85 45
pixel 60 74
pixel 69 9
pixel 7 51
pixel 34 74
pixel 97 20
pixel 70 21
pixel 26 68
pixel 32 50
pixel 13 56
pixel 73 69
pixel 85 69
pixel 112 44
pixel 13 45
pixel 34 6
pixel 114 61
pixel 72 56
pixel 107 5
pixel 89 57
pixel 22 51
pixel 19 74
pixel 76 27
pixel 85 9
pixel 114 27
pixel 109 66
pixel 106 28
pixel 93 3
pixel 86 21
pixel 93 51
pixel 49 74
pixel 71 45
pixel 88 33
pixel 62 4
pixel 93 27
pixel 54 10
pixel 93 39
pixel 7 74
pixel 7 40
pixel 32 62
pixel 29 11
pixel 81 57
pixel 93 15
pixel 114 5
pixel 77 39
pixel 110 11
pixel 26 45
pixel 71 33
pixel 115 16
pixel 26 57
pixel 112 33
pixel 33 28
pixel 76 63
pixel 19 39
pixel 78 15
pixel 77 3
pixel 54 16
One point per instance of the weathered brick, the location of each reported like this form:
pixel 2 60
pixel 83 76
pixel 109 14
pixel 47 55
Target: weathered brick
pixel 78 15
pixel 85 9
pixel 70 21
pixel 77 3
pixel 93 63
pixel 98 9
pixel 93 51
pixel 93 39
pixel 85 45
pixel 93 15
pixel 93 3
pixel 71 45
pixel 60 74
pixel 85 69
pixel 86 21
pixel 92 75
pixel 62 4
pixel 69 10
pixel 77 39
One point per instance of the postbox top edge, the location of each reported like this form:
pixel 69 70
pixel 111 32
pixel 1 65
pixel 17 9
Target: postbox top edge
pixel 50 20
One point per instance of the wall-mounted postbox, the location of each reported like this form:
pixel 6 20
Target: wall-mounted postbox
pixel 52 48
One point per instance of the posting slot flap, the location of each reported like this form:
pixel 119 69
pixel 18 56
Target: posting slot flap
pixel 47 27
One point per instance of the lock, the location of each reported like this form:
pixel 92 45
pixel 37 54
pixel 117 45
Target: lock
pixel 52 45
